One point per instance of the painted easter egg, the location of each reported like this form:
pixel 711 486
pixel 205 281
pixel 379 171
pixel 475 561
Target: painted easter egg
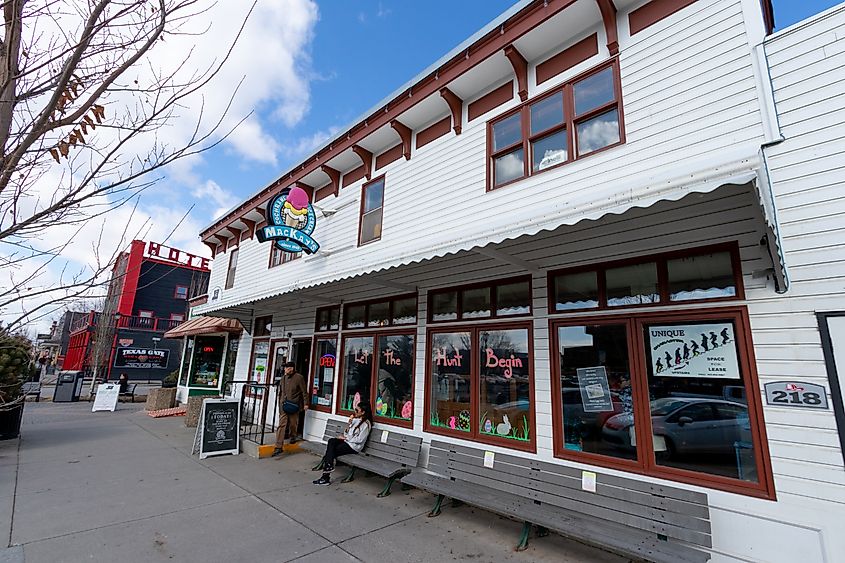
pixel 463 420
pixel 407 409
pixel 381 407
pixel 488 426
pixel 355 400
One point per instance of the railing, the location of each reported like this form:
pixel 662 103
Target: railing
pixel 84 321
pixel 148 323
pixel 259 408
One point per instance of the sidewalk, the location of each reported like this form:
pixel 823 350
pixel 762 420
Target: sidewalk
pixel 82 486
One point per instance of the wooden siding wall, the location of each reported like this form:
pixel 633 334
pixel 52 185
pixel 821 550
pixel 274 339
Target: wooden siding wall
pixel 688 95
pixel 807 172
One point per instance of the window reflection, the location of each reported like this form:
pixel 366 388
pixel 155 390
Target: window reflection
pixel 598 132
pixel 509 166
pixel 357 371
pixel 632 285
pixel 450 396
pixel 706 276
pixel 507 132
pixel 576 291
pixel 596 393
pixel 324 372
pixel 594 91
pixel 395 377
pixel 548 151
pixel 699 411
pixel 504 408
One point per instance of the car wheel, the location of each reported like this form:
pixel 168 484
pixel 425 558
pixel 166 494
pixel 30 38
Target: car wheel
pixel 668 453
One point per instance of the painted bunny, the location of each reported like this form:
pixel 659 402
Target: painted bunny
pixel 504 428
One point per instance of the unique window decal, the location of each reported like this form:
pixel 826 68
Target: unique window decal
pixel 699 350
pixel 292 220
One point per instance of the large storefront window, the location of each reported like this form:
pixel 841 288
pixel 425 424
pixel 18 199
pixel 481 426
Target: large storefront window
pixel 480 384
pixel 595 390
pixel 380 369
pixel 207 360
pixel 325 366
pixel 671 394
pixel 699 406
pixel 357 371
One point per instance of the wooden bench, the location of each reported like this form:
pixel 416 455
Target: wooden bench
pixel 130 391
pixel 392 459
pixel 633 518
pixel 32 388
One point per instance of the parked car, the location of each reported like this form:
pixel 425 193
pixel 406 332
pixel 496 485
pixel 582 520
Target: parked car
pixel 687 425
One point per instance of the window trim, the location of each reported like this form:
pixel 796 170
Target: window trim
pixel 327 331
pixel 361 213
pixel 645 464
pixel 150 314
pixel 341 375
pixel 661 260
pixel 284 256
pixel 569 124
pixel 475 373
pixel 176 291
pixel 313 375
pixel 492 285
pixel 230 271
pixel 181 315
pixel 390 301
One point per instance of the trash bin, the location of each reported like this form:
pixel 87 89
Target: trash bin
pixel 68 387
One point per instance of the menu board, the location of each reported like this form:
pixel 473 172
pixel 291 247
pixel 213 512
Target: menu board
pixel 106 398
pixel 219 427
pixel 595 392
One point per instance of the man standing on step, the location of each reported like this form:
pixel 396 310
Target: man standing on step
pixel 292 394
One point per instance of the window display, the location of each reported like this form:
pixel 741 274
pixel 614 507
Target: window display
pixel 207 358
pixel 325 367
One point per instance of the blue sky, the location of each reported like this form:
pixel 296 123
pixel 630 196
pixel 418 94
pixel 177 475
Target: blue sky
pixel 359 52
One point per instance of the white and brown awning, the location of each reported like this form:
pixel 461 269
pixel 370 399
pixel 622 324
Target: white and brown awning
pixel 205 325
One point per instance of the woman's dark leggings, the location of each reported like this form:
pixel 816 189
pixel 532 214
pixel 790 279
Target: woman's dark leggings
pixel 334 449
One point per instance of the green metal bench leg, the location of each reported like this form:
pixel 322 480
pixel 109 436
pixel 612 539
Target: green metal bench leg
pixel 318 466
pixel 386 490
pixel 436 510
pixel 350 477
pixel 523 537
pixel 542 531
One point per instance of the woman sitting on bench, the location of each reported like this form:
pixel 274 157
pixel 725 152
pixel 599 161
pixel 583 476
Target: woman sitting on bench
pixel 352 442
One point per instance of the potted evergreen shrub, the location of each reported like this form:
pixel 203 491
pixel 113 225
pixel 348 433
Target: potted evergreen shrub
pixel 15 367
pixel 171 380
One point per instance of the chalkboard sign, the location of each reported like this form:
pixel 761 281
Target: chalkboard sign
pixel 218 431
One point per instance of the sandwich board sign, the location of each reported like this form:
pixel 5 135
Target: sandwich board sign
pixel 218 429
pixel 106 398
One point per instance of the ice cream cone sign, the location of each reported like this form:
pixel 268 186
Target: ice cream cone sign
pixel 296 208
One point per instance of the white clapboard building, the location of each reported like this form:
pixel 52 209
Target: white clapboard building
pixel 604 234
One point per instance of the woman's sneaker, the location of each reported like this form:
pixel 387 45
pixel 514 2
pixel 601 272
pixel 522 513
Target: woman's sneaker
pixel 323 481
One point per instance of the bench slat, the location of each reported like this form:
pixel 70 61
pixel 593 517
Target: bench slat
pixel 376 465
pixel 670 510
pixel 379 449
pixel 678 526
pixel 613 480
pixel 606 534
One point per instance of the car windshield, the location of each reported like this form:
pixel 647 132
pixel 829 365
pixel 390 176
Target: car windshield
pixel 662 407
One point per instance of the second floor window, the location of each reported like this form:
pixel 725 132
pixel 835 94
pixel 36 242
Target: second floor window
pixel 372 202
pixel 576 119
pixel 233 265
pixel 279 256
pixel 181 292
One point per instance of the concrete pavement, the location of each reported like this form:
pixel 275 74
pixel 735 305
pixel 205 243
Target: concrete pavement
pixel 82 486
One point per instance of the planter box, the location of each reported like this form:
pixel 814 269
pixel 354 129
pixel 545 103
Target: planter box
pixel 161 398
pixel 10 422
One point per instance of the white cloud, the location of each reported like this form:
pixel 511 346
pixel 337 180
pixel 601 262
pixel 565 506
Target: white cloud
pixel 310 143
pixel 223 199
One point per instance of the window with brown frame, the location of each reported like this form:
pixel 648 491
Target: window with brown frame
pixel 372 205
pixel 480 384
pixel 380 368
pixel 263 326
pixel 396 311
pixel 233 266
pixel 324 372
pixel 328 319
pixel 710 273
pixel 180 292
pixel 279 256
pixel 493 300
pixel 673 395
pixel 582 116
